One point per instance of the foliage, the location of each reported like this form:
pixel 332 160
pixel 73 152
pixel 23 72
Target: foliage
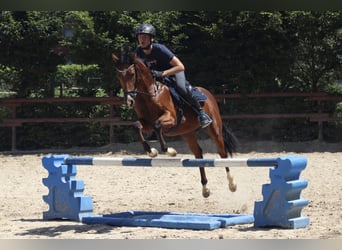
pixel 28 42
pixel 81 77
pixel 317 52
pixel 8 78
pixel 334 88
pixel 247 51
pixel 229 54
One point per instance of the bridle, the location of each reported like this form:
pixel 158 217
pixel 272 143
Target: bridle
pixel 134 92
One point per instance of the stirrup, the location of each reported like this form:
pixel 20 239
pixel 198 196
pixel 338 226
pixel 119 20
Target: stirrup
pixel 204 120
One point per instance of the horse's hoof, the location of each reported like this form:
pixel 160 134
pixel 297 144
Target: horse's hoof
pixel 232 187
pixel 231 184
pixel 153 153
pixel 205 192
pixel 171 152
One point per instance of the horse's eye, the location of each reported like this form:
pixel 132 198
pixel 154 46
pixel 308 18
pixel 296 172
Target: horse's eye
pixel 131 74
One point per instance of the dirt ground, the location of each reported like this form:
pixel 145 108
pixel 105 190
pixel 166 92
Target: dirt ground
pixel 120 189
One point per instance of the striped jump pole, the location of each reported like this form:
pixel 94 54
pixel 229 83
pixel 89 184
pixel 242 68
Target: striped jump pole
pixel 281 205
pixel 172 162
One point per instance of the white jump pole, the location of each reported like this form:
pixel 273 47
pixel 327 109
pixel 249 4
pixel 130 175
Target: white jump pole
pixel 173 162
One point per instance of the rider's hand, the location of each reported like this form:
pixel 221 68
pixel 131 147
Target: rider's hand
pixel 158 75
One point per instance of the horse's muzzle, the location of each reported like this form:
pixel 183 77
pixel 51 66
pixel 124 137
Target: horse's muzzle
pixel 130 101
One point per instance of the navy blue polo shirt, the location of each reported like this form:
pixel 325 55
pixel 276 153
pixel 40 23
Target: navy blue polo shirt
pixel 159 59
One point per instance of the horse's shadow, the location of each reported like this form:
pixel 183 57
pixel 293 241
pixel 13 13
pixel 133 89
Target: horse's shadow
pixel 256 229
pixel 54 231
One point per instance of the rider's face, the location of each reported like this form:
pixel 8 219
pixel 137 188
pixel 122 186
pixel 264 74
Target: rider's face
pixel 144 40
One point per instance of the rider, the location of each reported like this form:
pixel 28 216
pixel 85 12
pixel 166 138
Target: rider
pixel 162 63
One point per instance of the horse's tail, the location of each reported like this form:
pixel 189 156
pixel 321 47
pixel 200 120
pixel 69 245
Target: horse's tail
pixel 230 141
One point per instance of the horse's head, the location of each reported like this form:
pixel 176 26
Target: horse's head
pixel 125 69
pixel 134 76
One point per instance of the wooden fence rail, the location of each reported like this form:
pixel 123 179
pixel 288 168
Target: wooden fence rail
pixel 14 103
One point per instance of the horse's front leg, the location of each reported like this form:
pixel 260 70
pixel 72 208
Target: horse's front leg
pixel 152 152
pixel 166 121
pixel 170 151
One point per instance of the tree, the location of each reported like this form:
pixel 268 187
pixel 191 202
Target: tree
pixel 246 50
pixel 317 48
pixel 27 45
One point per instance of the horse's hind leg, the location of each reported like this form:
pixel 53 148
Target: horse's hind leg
pixel 231 183
pixel 195 148
pixel 221 149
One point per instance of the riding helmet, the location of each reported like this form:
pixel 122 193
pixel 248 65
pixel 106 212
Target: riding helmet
pixel 146 28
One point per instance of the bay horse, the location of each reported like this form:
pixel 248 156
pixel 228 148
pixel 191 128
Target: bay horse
pixel 156 111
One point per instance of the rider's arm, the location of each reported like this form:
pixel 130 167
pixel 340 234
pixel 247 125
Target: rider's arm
pixel 177 66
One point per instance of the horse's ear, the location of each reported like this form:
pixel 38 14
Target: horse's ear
pixel 136 59
pixel 115 58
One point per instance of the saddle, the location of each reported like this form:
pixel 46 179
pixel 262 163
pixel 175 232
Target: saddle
pixel 170 82
pixel 179 101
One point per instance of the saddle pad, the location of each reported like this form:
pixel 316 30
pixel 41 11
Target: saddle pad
pixel 198 94
pixel 195 92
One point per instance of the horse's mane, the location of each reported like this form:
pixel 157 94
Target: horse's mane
pixel 141 64
pixel 144 70
pixel 130 58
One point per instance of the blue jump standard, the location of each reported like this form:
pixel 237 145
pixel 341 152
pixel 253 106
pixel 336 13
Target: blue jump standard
pixel 281 205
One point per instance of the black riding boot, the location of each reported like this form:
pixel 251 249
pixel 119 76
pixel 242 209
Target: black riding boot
pixel 202 117
pixel 184 89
